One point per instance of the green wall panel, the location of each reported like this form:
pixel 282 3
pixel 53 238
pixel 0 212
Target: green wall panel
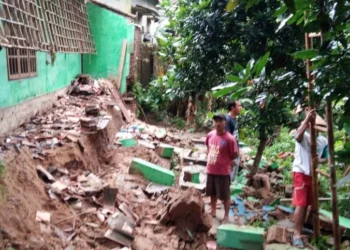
pixel 109 30
pixel 49 78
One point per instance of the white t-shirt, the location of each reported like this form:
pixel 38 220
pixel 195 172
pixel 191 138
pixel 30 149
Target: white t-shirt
pixel 302 154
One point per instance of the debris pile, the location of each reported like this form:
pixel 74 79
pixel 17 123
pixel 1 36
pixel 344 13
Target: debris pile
pixel 71 116
pixel 186 212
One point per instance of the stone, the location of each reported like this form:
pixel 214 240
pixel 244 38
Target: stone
pixel 277 234
pixel 186 211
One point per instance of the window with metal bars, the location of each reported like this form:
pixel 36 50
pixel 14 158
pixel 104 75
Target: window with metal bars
pixel 21 63
pixel 39 24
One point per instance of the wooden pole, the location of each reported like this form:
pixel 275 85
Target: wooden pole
pixel 335 211
pixel 121 63
pixel 313 144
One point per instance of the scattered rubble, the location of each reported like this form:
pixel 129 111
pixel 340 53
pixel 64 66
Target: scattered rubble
pixel 115 186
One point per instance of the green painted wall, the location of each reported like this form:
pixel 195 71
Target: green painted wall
pixel 50 78
pixel 109 30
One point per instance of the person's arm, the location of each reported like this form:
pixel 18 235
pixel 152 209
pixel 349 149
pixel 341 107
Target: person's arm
pixel 324 157
pixel 234 149
pixel 207 143
pixel 304 125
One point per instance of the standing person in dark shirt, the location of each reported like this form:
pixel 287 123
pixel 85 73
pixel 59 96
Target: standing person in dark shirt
pixel 234 109
pixel 222 150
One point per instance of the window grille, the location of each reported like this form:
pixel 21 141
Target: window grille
pixel 69 26
pixel 22 24
pixel 21 63
pixel 37 24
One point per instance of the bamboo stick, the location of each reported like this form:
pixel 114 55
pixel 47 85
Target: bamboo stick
pixel 335 211
pixel 313 144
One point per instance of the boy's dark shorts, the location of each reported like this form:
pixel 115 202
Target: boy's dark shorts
pixel 219 186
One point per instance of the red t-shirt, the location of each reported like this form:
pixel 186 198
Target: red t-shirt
pixel 221 149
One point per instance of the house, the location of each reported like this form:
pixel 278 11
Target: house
pixel 44 45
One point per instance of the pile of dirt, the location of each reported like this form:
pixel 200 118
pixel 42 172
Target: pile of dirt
pixel 186 212
pixel 23 195
pixel 53 140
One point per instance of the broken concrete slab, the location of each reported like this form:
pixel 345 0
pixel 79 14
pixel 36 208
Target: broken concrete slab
pixel 127 211
pixel 199 161
pixel 152 172
pixel 121 223
pixel 240 237
pixel 44 174
pixel 103 122
pixel 154 188
pixel 91 184
pixel 109 196
pixel 198 177
pixel 160 133
pixel 128 142
pixel 165 150
pixel 118 237
pixel 58 187
pixel 42 216
pixel 282 247
pixel 343 222
pixel 146 144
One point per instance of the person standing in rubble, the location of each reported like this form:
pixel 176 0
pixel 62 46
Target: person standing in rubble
pixel 234 109
pixel 302 181
pixel 222 150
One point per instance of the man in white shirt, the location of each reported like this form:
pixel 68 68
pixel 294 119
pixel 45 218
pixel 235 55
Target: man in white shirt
pixel 302 181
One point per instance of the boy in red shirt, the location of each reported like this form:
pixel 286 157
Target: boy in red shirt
pixel 222 150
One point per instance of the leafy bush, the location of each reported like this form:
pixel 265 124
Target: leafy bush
pixel 285 143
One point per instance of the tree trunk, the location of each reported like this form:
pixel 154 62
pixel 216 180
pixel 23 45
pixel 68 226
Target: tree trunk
pixel 259 154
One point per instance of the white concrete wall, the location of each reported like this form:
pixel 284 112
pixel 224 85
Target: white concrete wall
pixel 146 3
pixel 123 5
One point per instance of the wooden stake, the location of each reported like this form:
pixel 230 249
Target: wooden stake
pixel 335 212
pixel 121 64
pixel 313 144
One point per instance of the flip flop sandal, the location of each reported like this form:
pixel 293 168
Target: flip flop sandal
pixel 297 242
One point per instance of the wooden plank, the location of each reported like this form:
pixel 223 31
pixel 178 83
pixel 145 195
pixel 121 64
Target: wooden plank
pixel 121 105
pixel 121 63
